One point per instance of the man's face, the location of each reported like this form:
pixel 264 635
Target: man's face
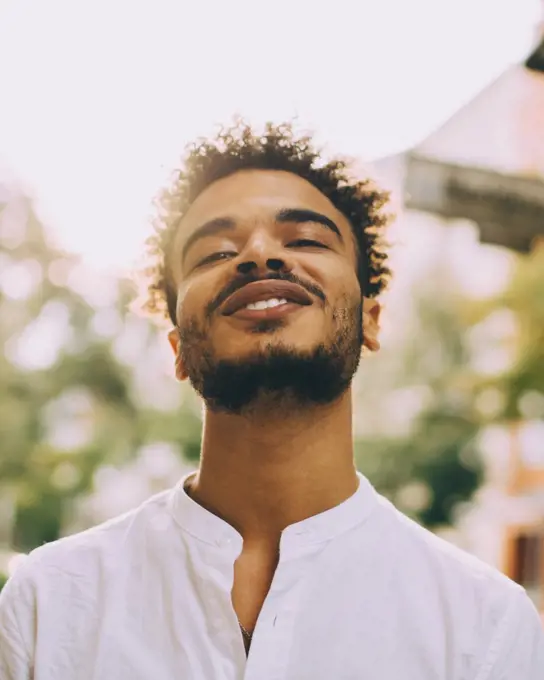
pixel 276 229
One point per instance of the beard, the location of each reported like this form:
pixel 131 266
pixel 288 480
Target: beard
pixel 275 375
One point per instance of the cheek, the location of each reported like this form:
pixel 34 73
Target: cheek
pixel 338 272
pixel 191 301
pixel 184 307
pixel 343 287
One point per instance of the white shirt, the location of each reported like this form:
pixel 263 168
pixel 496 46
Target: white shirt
pixel 360 592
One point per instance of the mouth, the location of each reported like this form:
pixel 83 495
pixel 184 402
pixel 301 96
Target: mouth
pixel 278 311
pixel 269 299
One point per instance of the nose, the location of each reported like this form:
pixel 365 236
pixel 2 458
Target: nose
pixel 263 254
pixel 275 264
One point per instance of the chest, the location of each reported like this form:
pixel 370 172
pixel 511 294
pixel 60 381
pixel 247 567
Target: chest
pixel 315 621
pixel 288 644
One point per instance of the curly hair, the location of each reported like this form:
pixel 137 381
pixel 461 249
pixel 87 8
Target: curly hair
pixel 236 148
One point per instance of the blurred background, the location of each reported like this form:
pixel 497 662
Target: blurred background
pixel 443 102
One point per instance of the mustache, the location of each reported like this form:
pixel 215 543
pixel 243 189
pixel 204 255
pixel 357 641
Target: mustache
pixel 238 283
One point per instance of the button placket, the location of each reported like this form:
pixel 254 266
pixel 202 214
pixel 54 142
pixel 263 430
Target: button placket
pixel 269 655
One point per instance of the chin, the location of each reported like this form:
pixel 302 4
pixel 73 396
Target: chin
pixel 261 348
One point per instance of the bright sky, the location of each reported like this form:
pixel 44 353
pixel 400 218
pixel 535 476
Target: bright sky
pixel 99 97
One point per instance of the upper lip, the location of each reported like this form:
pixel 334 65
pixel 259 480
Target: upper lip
pixel 265 290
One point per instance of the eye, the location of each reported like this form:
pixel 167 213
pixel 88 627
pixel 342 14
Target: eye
pixel 216 256
pixel 306 243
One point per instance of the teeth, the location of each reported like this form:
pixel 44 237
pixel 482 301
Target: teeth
pixel 265 304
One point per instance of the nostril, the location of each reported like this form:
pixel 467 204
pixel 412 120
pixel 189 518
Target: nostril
pixel 274 264
pixel 246 267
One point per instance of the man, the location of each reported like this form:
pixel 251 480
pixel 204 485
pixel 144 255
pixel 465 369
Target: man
pixel 276 559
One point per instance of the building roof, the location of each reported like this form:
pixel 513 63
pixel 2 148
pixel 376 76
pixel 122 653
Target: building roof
pixel 487 162
pixel 502 129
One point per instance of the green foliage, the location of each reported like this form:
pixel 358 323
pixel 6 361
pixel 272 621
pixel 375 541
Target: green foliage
pixel 440 449
pixel 524 297
pixel 3 580
pixel 437 451
pixel 84 385
pixel 439 454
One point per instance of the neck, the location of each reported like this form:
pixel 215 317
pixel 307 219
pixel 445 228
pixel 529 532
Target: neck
pixel 263 472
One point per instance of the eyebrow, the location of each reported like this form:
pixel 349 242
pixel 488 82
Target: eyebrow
pixel 302 215
pixel 296 215
pixel 208 229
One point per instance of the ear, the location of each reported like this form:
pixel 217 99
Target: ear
pixel 173 339
pixel 371 327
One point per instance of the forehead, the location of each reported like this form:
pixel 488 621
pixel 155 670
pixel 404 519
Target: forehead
pixel 254 193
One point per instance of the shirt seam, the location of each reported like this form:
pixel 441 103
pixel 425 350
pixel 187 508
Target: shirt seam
pixel 173 513
pixel 498 641
pixel 327 540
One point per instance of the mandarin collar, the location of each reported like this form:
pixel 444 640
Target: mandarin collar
pixel 211 529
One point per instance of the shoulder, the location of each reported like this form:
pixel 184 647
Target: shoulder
pixel 88 555
pixel 448 565
pixel 481 607
pixel 59 589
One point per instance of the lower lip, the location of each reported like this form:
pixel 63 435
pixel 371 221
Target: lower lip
pixel 270 313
